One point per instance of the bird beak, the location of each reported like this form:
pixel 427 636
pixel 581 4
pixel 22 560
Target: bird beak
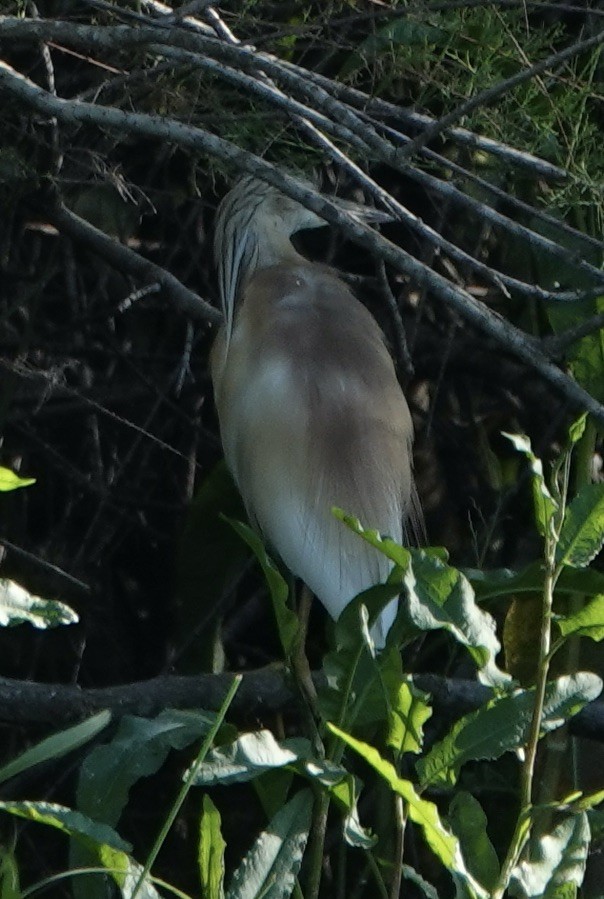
pixel 367 215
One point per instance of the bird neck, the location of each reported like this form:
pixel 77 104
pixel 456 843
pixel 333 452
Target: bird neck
pixel 268 247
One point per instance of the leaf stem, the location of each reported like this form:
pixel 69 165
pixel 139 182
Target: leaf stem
pixel 184 790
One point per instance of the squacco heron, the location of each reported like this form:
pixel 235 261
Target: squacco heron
pixel 311 413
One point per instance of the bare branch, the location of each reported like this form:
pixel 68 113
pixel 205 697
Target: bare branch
pixel 263 692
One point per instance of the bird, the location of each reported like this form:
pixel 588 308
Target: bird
pixel 310 410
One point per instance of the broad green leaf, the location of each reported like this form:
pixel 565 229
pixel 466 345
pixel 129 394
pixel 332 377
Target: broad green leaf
pixel 407 716
pixel 287 622
pixel 249 756
pixel 269 869
pixel 11 481
pixel 544 503
pixel 9 874
pixel 582 532
pixel 65 819
pixel 490 585
pixel 469 824
pixel 360 683
pixel 138 749
pixel 57 745
pixel 588 622
pixel 425 814
pixel 503 725
pixel 553 861
pixel 437 596
pixel 211 852
pixel 18 605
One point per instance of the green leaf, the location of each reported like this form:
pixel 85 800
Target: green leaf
pixel 503 725
pixel 425 814
pixel 9 874
pixel 287 622
pixel 582 533
pixel 577 429
pixel 65 819
pixel 211 852
pixel 553 861
pixel 270 867
pixel 249 756
pixel 587 622
pixel 345 794
pixel 11 481
pixel 57 745
pixel 438 596
pixel 426 888
pixel 469 824
pixel 490 585
pixel 18 605
pixel 544 504
pixel 138 749
pixel 407 716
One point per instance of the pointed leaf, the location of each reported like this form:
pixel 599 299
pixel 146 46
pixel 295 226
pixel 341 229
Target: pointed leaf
pixel 138 749
pixel 425 814
pixel 407 716
pixel 503 725
pixel 588 622
pixel 11 481
pixel 57 745
pixel 469 823
pixel 65 819
pixel 270 867
pixel 287 622
pixel 211 852
pixel 544 504
pixel 582 533
pixel 9 875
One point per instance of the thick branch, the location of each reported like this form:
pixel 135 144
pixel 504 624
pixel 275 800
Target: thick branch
pixel 263 692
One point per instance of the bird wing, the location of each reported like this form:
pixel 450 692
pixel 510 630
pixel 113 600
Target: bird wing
pixel 312 417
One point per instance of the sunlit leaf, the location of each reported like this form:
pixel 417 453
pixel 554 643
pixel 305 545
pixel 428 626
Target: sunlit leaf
pixel 269 869
pixel 18 605
pixel 554 860
pixel 211 852
pixel 407 715
pixel 504 724
pixel 11 481
pixel 425 814
pixel 249 756
pixel 65 819
pixel 587 622
pixel 582 533
pixel 544 504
